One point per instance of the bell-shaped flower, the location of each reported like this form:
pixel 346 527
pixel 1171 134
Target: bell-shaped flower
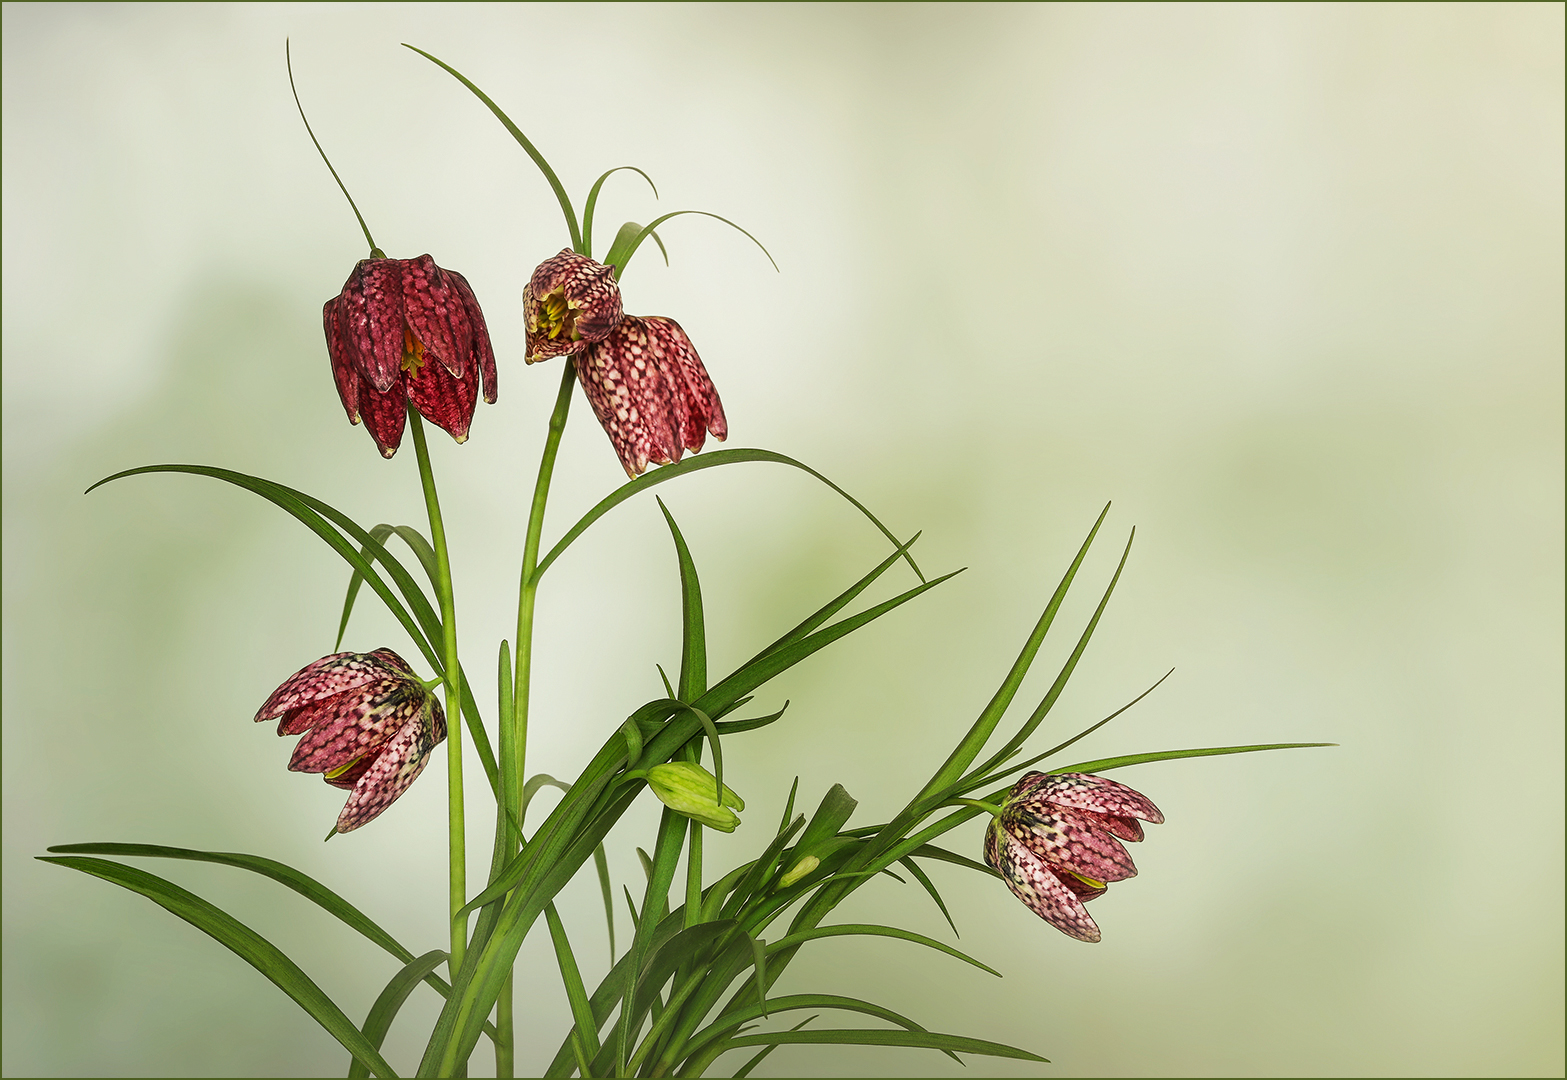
pixel 642 375
pixel 406 332
pixel 369 726
pixel 571 302
pixel 687 788
pixel 1057 843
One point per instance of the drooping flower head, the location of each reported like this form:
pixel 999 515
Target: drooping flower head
pixel 405 331
pixel 1058 840
pixel 369 726
pixel 571 302
pixel 642 376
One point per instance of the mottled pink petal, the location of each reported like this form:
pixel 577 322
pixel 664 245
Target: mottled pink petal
pixel 698 407
pixel 1088 792
pixel 358 724
pixel 434 312
pixel 630 397
pixel 322 679
pixel 1032 882
pixel 591 296
pixel 397 765
pixel 1058 835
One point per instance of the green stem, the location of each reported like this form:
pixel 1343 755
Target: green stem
pixel 457 877
pixel 375 252
pixel 528 586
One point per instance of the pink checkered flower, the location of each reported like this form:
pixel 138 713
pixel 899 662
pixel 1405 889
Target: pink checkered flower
pixel 369 726
pixel 1058 840
pixel 406 332
pixel 642 375
pixel 570 303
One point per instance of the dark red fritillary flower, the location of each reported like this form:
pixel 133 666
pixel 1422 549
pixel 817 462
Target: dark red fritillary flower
pixel 369 726
pixel 642 376
pixel 1057 843
pixel 405 331
pixel 569 303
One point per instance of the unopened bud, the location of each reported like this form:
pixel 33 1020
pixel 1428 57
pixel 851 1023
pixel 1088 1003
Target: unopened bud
pixel 689 789
pixel 799 870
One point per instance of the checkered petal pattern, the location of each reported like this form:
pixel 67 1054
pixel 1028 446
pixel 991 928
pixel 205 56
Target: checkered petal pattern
pixel 368 724
pixel 1058 840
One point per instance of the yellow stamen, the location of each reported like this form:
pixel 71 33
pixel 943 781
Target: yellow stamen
pixel 413 353
pixel 333 774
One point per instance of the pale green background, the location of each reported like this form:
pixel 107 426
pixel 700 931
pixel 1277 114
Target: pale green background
pixel 1283 282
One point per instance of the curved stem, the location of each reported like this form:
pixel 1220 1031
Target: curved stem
pixel 458 867
pixel 528 586
pixel 375 252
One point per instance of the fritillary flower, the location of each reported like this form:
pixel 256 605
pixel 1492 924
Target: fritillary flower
pixel 642 375
pixel 1057 843
pixel 406 332
pixel 369 726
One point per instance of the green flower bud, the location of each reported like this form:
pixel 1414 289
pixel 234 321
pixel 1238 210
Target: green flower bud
pixel 689 789
pixel 799 870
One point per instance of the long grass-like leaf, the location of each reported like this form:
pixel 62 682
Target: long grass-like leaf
pixel 693 634
pixel 793 1003
pixel 930 887
pixel 571 978
pixel 930 1040
pixel 384 1011
pixel 692 464
pixel 245 943
pixel 592 203
pixel 1102 764
pixel 647 230
pixel 522 140
pixel 799 937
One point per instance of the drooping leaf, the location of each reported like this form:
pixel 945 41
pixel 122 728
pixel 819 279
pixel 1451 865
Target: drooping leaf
pixel 930 887
pixel 245 943
pixel 692 464
pixel 601 864
pixel 693 634
pixel 522 140
pixel 625 249
pixel 384 1011
pixel 1104 764
pixel 930 1040
pixel 591 205
pixel 873 930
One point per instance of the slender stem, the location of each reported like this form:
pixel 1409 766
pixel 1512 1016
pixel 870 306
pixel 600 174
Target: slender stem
pixel 528 586
pixel 503 1022
pixel 375 252
pixel 458 872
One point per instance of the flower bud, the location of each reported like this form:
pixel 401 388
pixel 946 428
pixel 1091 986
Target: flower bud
pixel 689 789
pixel 799 870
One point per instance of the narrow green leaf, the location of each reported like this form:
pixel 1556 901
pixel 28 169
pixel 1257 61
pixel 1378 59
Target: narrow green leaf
pixel 380 532
pixel 793 1003
pixel 759 960
pixel 745 1070
pixel 647 230
pixel 592 203
pixel 576 993
pixel 692 464
pixel 626 241
pixel 601 864
pixel 522 140
pixel 1104 764
pixel 693 635
pixel 245 943
pixel 789 806
pixel 930 887
pixel 538 781
pixel 930 1040
pixel 831 814
pixel 799 937
pixel 391 999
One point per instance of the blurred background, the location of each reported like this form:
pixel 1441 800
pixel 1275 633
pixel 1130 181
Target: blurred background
pixel 1283 282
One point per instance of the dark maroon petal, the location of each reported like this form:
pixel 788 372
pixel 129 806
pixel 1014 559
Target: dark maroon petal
pixel 348 779
pixel 436 315
pixel 1058 835
pixel 700 410
pixel 358 724
pixel 1032 881
pixel 395 767
pixel 344 377
pixel 482 351
pixel 320 679
pixel 630 397
pixel 1088 792
pixel 1125 828
pixel 384 415
pixel 1080 888
pixel 372 320
pixel 445 401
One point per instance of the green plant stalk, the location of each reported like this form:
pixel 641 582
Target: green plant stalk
pixel 527 590
pixel 457 884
